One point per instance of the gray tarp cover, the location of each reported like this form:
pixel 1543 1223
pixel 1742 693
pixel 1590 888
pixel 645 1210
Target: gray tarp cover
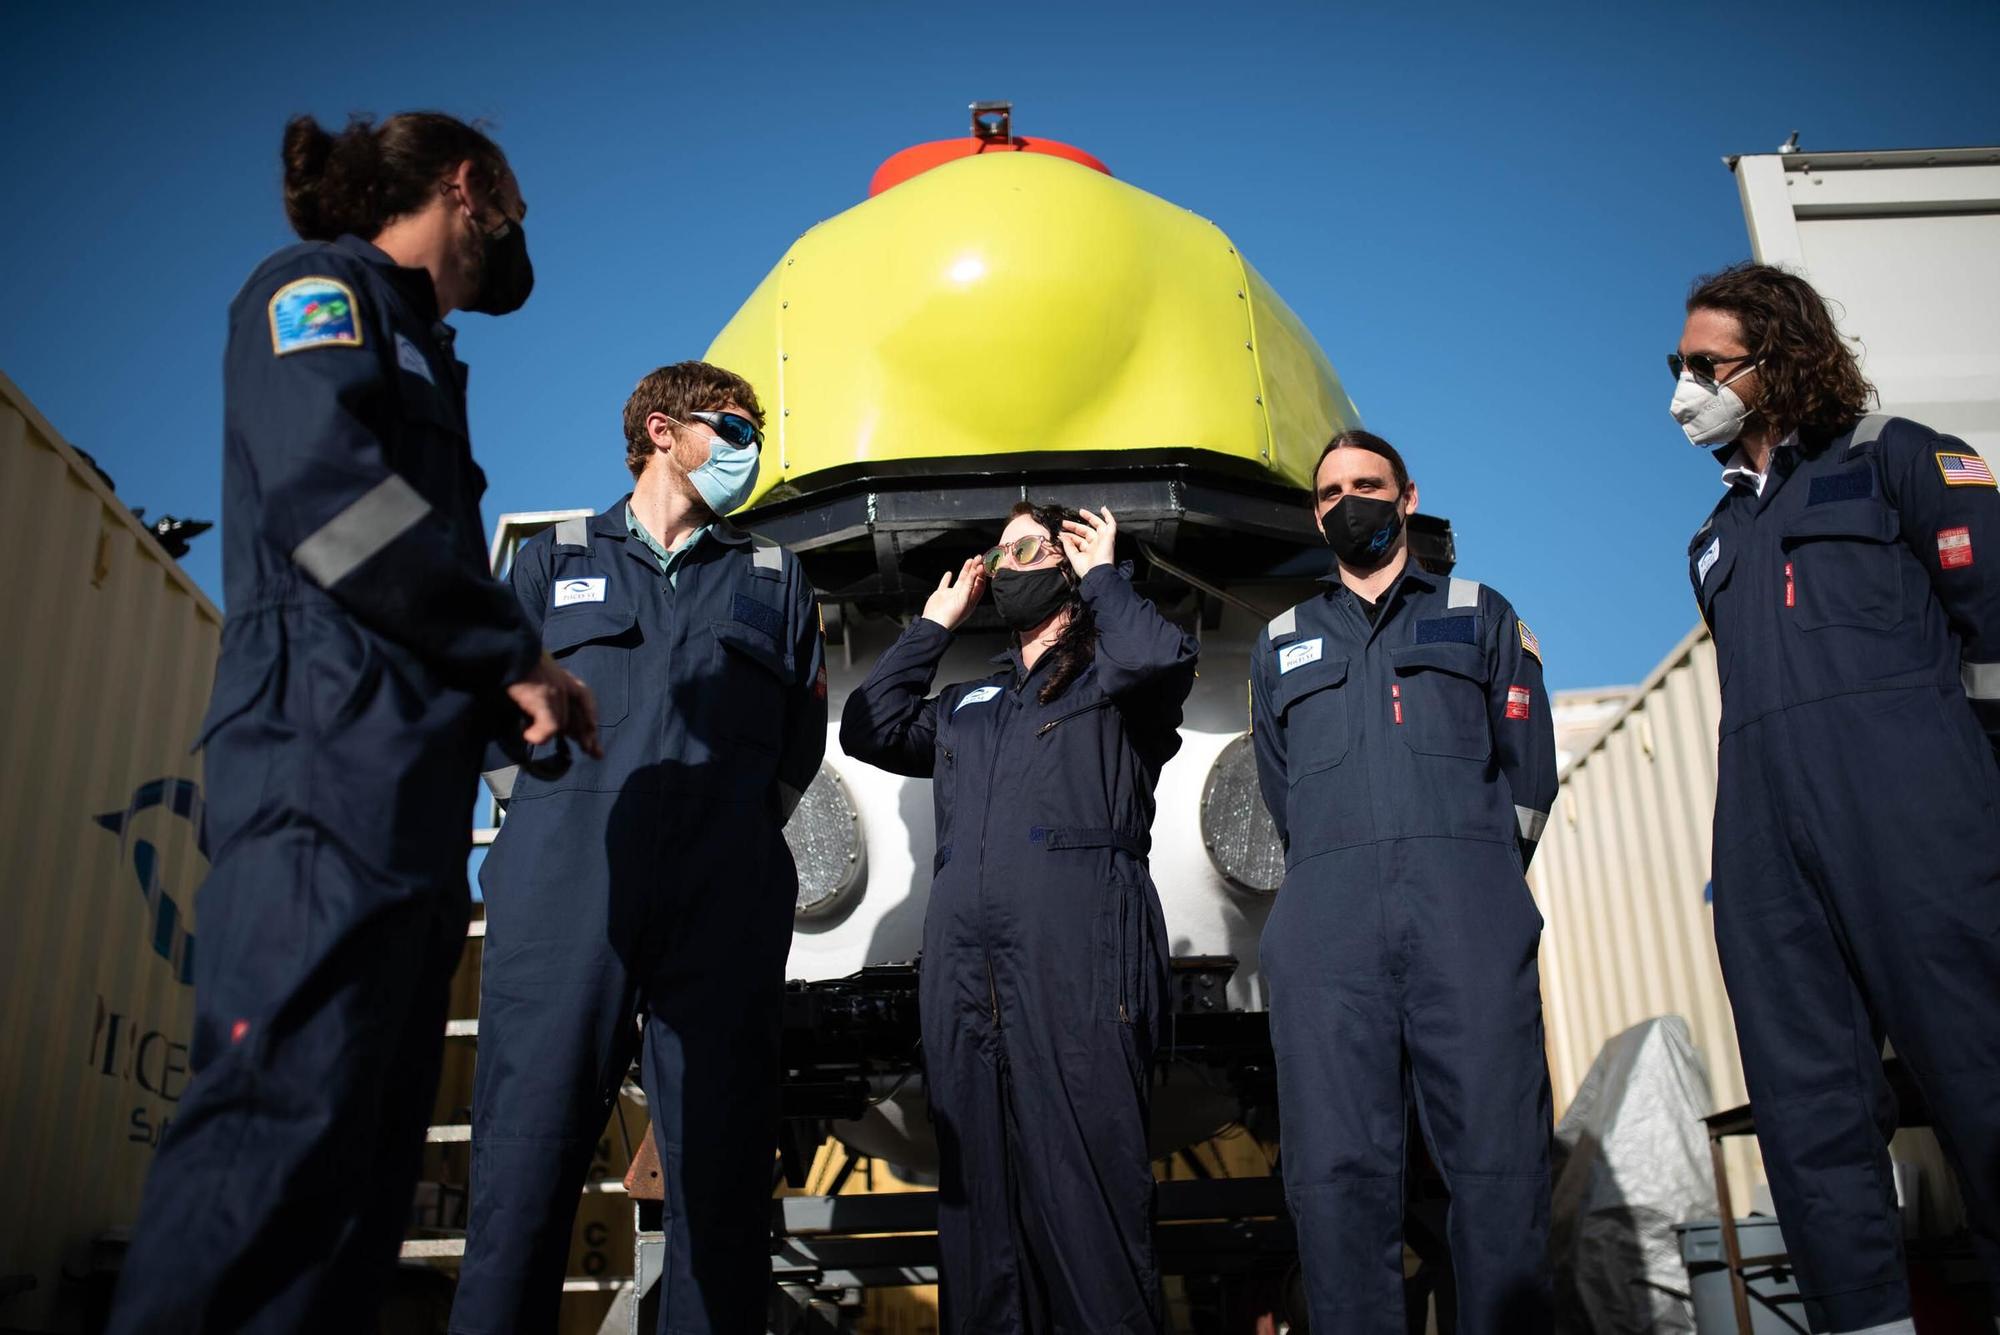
pixel 1632 1162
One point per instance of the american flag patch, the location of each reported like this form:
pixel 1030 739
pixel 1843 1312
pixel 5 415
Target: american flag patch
pixel 1517 701
pixel 1964 470
pixel 1529 643
pixel 1954 547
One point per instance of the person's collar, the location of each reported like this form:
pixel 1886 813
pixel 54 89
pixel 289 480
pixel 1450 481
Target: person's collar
pixel 415 284
pixel 1736 469
pixel 1411 571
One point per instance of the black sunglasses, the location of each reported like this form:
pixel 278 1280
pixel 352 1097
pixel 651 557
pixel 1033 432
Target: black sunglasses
pixel 1702 364
pixel 738 431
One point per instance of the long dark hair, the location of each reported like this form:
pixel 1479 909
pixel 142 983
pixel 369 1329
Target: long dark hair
pixel 1076 647
pixel 1811 380
pixel 368 175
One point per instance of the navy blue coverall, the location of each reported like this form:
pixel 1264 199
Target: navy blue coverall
pixel 1856 619
pixel 362 662
pixel 1409 766
pixel 1043 985
pixel 655 882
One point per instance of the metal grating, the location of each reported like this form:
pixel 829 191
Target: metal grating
pixel 1241 839
pixel 825 836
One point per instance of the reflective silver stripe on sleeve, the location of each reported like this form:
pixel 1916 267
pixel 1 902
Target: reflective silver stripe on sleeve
pixel 384 513
pixel 1464 593
pixel 500 782
pixel 1982 680
pixel 788 799
pixel 767 556
pixel 573 532
pixel 1284 623
pixel 1531 822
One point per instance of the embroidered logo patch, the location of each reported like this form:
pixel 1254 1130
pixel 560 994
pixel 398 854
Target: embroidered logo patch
pixel 1529 644
pixel 977 696
pixel 1517 701
pixel 1300 654
pixel 411 360
pixel 1964 470
pixel 316 312
pixel 580 591
pixel 1707 561
pixel 1954 547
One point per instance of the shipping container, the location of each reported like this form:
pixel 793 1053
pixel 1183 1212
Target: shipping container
pixel 100 805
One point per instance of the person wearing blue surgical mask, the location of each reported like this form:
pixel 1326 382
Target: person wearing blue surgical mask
pixel 653 885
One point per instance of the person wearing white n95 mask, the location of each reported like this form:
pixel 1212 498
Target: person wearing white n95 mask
pixel 1709 411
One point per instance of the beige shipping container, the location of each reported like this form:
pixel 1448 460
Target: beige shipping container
pixel 1622 878
pixel 112 651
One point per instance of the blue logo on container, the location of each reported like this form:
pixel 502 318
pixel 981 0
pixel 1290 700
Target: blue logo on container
pixel 182 797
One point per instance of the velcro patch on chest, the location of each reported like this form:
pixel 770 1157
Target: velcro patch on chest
pixel 315 312
pixel 1518 698
pixel 1850 484
pixel 1300 654
pixel 979 695
pixel 752 612
pixel 1954 547
pixel 568 591
pixel 1448 630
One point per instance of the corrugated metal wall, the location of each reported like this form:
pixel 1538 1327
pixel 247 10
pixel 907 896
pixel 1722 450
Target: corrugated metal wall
pixel 110 656
pixel 1620 876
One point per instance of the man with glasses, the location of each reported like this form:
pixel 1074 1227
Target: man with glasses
pixel 654 884
pixel 1405 749
pixel 1846 575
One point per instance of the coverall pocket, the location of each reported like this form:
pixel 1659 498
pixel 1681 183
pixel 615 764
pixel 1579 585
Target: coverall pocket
pixel 1844 566
pixel 1117 950
pixel 595 642
pixel 750 697
pixel 1313 709
pixel 1443 700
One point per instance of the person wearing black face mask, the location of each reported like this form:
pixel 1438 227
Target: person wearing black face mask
pixel 1405 749
pixel 367 659
pixel 1043 987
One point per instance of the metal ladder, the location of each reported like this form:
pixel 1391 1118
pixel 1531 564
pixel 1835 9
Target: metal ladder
pixel 447 1162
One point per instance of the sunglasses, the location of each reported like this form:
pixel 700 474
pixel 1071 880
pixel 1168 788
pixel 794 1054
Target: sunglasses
pixel 738 431
pixel 1025 551
pixel 1702 364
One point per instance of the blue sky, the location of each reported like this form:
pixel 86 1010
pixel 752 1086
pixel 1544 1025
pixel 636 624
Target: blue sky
pixel 1487 214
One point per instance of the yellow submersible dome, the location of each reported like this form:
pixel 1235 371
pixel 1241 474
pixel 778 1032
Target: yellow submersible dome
pixel 1003 315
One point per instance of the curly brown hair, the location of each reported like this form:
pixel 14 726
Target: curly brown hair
pixel 677 390
pixel 1810 379
pixel 369 175
pixel 1076 647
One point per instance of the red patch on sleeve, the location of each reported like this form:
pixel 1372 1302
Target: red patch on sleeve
pixel 1954 547
pixel 819 684
pixel 238 1031
pixel 1517 701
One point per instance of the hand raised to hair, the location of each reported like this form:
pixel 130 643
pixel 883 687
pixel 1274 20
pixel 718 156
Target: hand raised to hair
pixel 952 602
pixel 1089 544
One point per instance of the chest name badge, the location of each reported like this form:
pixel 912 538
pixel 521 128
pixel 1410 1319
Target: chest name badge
pixel 1300 654
pixel 316 312
pixel 977 696
pixel 1707 561
pixel 411 360
pixel 580 591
